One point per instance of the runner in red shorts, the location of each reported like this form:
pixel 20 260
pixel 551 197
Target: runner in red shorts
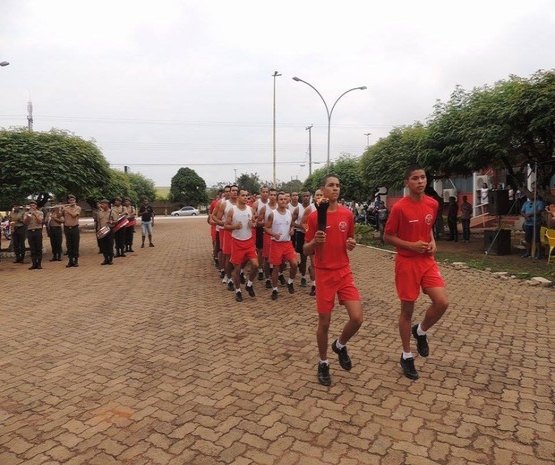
pixel 240 221
pixel 409 229
pixel 279 227
pixel 333 275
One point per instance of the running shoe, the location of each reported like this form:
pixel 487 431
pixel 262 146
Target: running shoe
pixel 344 359
pixel 408 368
pixel 421 342
pixel 324 377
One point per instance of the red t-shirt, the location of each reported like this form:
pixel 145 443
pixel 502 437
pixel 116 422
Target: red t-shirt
pixel 332 255
pixel 213 205
pixel 412 220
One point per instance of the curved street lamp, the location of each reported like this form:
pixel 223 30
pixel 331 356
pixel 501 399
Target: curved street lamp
pixel 4 63
pixel 328 111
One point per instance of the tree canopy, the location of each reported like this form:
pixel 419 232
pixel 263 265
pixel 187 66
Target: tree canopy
pixel 251 182
pixel 44 163
pixel 188 188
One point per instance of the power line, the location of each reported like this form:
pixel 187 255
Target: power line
pixel 215 164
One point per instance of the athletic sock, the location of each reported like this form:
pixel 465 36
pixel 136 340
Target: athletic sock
pixel 289 281
pixel 326 362
pixel 339 345
pixel 275 289
pixel 249 283
pixel 237 290
pixel 407 355
pixel 420 331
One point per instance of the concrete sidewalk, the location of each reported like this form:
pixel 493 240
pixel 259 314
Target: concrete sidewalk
pixel 151 361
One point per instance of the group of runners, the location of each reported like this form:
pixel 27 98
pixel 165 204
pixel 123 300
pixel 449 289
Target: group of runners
pixel 259 238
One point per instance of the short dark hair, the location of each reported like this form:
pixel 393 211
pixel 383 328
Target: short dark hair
pixel 412 167
pixel 326 177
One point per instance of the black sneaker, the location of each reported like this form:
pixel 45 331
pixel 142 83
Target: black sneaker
pixel 421 342
pixel 291 288
pixel 268 284
pixel 151 245
pixel 408 368
pixel 230 286
pixel 312 290
pixel 344 359
pixel 242 278
pixel 222 274
pixel 274 294
pixel 324 377
pixel 303 282
pixel 260 275
pixel 250 290
pixel 238 296
pixel 281 280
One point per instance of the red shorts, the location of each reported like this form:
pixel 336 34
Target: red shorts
pixel 242 251
pixel 226 245
pixel 266 245
pixel 413 273
pixel 213 232
pixel 282 252
pixel 330 283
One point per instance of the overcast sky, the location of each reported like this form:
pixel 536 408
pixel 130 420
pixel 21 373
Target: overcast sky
pixel 164 84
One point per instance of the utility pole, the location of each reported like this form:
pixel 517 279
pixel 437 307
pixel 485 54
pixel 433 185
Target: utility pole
pixel 309 129
pixel 235 169
pixel 274 159
pixel 30 115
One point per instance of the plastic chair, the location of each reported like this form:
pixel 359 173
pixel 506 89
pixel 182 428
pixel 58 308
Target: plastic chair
pixel 550 235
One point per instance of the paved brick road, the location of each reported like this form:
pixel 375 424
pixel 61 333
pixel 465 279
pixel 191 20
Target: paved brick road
pixel 151 361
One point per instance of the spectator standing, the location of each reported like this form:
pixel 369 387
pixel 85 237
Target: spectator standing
pixel 452 215
pixel 466 214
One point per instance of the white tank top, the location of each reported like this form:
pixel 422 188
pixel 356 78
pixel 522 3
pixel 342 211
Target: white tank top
pixel 260 205
pixel 244 217
pixel 281 224
pixel 269 210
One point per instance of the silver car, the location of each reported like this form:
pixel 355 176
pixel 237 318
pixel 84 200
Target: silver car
pixel 185 211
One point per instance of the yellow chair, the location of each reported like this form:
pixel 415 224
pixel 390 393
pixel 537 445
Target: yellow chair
pixel 550 236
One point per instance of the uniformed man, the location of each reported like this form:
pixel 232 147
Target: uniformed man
pixel 71 213
pixel 107 219
pixel 54 222
pixel 119 235
pixel 19 232
pixel 131 212
pixel 33 220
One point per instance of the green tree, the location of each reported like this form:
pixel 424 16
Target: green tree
pixel 116 184
pixel 508 125
pixel 188 188
pixel 384 163
pixel 45 163
pixel 291 186
pixel 141 187
pixel 251 182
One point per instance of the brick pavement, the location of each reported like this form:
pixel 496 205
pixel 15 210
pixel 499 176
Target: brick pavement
pixel 151 361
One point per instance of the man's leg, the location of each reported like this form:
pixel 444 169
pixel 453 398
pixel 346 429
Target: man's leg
pixel 405 319
pixel 324 320
pixel 354 309
pixel 437 308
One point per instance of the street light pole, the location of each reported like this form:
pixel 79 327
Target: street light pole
pixel 328 111
pixel 367 134
pixel 276 74
pixel 309 129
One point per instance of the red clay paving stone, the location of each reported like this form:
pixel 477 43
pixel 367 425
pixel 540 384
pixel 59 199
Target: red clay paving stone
pixel 152 362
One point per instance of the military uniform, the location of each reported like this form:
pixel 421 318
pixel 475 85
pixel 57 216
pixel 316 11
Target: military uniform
pixel 119 235
pixel 130 228
pixel 19 233
pixel 33 219
pixel 71 231
pixel 107 218
pixel 54 231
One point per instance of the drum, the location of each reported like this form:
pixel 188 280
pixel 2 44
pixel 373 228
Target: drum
pixel 102 232
pixel 131 223
pixel 122 223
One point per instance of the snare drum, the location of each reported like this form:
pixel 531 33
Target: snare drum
pixel 122 223
pixel 102 232
pixel 131 223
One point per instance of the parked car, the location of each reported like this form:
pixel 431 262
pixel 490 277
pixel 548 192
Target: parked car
pixel 185 211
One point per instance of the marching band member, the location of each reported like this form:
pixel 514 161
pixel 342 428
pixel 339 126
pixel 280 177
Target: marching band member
pixel 54 230
pixel 71 213
pixel 107 218
pixel 129 230
pixel 19 232
pixel 119 235
pixel 33 220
